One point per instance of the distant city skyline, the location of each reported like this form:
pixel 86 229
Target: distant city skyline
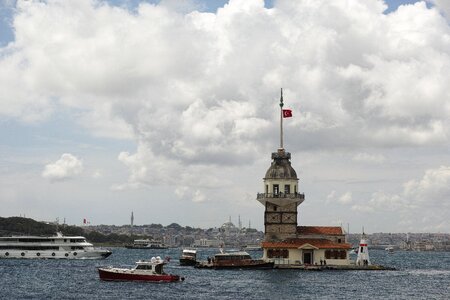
pixel 169 109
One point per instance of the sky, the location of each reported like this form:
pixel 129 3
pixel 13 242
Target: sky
pixel 170 109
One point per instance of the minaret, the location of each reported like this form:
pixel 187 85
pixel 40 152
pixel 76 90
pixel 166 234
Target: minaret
pixel 280 197
pixel 132 219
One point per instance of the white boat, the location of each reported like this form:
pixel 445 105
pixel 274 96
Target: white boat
pixel 188 257
pixel 253 247
pixel 389 249
pixel 146 244
pixel 55 247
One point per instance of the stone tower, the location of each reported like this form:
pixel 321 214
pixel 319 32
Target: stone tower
pixel 281 197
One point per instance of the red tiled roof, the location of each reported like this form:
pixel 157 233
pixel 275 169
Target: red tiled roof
pixel 327 230
pixel 297 243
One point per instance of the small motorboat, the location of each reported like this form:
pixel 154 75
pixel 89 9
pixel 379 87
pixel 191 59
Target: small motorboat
pixel 188 257
pixel 143 271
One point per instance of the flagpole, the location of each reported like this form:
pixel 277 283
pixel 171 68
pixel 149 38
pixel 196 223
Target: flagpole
pixel 281 119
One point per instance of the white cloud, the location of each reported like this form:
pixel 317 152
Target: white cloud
pixel 198 92
pixel 331 195
pixel 425 200
pixel 197 79
pixel 443 5
pixel 432 190
pixel 345 198
pixel 66 167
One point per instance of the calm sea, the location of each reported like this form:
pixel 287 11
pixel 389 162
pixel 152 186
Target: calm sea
pixel 420 275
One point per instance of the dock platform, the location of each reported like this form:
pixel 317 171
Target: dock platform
pixel 335 267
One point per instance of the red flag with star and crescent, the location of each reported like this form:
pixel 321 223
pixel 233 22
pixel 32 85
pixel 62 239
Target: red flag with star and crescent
pixel 287 113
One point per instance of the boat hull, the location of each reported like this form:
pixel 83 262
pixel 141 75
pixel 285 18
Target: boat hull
pixel 45 254
pixel 112 275
pixel 187 262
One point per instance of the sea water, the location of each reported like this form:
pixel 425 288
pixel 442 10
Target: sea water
pixel 419 275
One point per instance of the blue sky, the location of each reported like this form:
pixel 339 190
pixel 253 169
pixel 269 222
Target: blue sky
pixel 106 111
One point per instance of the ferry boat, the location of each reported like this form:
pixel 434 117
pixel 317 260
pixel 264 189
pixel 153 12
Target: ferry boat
pixel 143 271
pixel 188 257
pixel 253 247
pixel 55 247
pixel 234 260
pixel 146 244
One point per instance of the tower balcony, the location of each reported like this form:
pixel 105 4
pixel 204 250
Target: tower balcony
pixel 280 198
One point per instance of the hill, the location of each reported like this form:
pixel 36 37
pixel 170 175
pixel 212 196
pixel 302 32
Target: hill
pixel 26 226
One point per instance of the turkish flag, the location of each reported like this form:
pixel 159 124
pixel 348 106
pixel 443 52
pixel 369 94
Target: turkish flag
pixel 287 113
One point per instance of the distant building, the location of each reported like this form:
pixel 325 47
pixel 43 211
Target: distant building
pixel 229 229
pixel 206 243
pixel 284 241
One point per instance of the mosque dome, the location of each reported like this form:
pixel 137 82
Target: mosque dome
pixel 228 225
pixel 281 166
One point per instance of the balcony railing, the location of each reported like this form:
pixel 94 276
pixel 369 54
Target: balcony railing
pixel 280 195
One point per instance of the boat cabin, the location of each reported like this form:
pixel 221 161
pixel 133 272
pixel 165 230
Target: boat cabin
pixel 188 253
pixel 232 256
pixel 155 264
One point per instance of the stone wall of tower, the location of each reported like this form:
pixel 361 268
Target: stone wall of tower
pixel 280 221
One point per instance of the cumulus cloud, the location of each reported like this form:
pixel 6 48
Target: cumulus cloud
pixel 443 5
pixel 198 91
pixel 425 200
pixel 345 198
pixel 64 168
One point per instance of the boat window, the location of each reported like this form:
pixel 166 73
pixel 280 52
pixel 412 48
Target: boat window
pixel 144 267
pixel 158 269
pixel 77 240
pixel 32 240
pixel 28 247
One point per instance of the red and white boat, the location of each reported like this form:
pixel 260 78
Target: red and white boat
pixel 143 271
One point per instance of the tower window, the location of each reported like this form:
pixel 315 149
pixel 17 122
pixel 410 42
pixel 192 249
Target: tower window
pixel 267 188
pixel 287 189
pixel 276 189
